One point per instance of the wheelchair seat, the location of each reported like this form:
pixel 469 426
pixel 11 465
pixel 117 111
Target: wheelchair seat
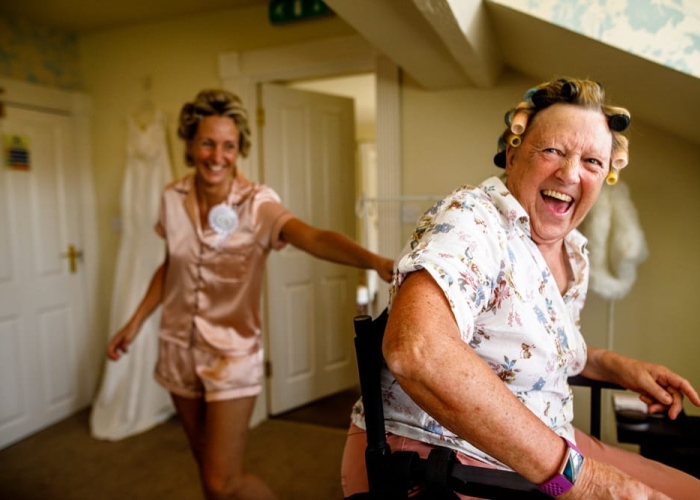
pixel 391 475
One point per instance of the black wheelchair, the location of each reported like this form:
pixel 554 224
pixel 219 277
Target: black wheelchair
pixel 392 475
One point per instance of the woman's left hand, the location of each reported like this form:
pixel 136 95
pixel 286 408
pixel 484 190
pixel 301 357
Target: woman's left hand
pixel 658 387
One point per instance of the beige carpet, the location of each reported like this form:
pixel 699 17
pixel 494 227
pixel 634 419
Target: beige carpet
pixel 297 459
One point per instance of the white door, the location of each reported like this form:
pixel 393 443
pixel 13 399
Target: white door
pixel 309 159
pixel 43 375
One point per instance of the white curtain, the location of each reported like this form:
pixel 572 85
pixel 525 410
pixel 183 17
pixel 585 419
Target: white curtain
pixel 129 400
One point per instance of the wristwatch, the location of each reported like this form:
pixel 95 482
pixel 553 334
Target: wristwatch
pixel 565 479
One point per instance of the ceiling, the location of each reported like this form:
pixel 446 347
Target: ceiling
pixel 81 16
pixel 451 43
pixel 441 44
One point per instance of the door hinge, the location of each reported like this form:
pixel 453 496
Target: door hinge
pixel 261 117
pixel 268 369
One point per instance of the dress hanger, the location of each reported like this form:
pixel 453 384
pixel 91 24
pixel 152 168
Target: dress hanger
pixel 145 112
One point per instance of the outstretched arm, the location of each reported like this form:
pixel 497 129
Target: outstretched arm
pixel 660 388
pixel 334 247
pixel 154 295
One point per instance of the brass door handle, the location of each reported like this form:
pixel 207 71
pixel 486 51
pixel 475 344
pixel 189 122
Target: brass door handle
pixel 72 255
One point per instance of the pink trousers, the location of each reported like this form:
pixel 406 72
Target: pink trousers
pixel 674 483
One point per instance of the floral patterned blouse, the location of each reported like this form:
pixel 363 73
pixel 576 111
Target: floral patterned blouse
pixel 476 244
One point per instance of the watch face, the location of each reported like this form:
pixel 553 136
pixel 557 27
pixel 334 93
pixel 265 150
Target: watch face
pixel 573 466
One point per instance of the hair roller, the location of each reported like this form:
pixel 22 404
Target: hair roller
pixel 569 90
pixel 619 123
pixel 514 140
pixel 519 121
pixel 528 95
pixel 620 160
pixel 499 159
pixel 618 119
pixel 540 99
pixel 612 177
pixel 620 156
pixel 508 118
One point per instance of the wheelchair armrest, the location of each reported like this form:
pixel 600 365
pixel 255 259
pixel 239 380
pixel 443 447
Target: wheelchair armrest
pixel 580 380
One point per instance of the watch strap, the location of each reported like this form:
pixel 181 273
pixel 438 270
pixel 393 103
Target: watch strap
pixel 565 479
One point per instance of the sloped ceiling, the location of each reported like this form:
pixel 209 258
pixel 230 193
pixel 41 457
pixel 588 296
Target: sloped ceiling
pixel 654 93
pixel 443 44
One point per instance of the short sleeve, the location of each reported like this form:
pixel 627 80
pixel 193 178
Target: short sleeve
pixel 455 243
pixel 269 217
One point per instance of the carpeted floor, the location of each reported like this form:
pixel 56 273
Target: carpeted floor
pixel 298 454
pixel 333 411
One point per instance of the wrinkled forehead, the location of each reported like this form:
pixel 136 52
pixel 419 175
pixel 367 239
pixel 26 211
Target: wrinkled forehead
pixel 572 125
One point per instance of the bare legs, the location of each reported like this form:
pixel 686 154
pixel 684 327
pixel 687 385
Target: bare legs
pixel 217 433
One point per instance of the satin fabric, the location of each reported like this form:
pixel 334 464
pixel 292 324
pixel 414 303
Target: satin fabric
pixel 213 285
pixel 197 371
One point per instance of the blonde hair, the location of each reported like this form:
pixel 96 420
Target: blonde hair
pixel 580 92
pixel 214 102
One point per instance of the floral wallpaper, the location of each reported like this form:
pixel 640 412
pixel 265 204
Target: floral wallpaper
pixel 663 31
pixel 38 54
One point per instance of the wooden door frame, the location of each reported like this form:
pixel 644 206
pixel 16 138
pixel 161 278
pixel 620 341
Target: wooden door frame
pixel 78 107
pixel 242 72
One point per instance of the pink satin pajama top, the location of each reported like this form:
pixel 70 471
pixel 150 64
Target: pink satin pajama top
pixel 213 284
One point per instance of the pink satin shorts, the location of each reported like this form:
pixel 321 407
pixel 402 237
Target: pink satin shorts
pixel 199 371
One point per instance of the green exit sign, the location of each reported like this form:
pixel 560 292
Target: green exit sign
pixel 287 11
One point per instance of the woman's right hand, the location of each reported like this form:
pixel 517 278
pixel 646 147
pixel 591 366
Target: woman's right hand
pixel 121 341
pixel 600 481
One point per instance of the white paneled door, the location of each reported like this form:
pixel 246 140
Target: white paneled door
pixel 42 288
pixel 309 159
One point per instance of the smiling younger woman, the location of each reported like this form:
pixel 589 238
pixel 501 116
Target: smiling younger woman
pixel 219 228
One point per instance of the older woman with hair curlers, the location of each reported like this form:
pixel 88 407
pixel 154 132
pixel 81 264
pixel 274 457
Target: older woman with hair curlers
pixel 483 327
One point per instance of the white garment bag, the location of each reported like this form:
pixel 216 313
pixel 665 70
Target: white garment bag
pixel 129 400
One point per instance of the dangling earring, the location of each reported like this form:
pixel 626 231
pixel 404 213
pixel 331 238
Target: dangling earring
pixel 612 177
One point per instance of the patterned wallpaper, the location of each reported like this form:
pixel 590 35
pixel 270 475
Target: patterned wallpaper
pixel 663 31
pixel 38 54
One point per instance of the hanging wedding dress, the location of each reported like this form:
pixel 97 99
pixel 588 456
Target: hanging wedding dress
pixel 129 400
